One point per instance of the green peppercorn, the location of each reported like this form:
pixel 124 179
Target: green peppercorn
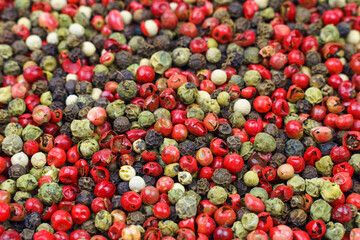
pixel 193 194
pixel 115 109
pixel 13 128
pixel 5 95
pixel 252 78
pixel 237 119
pixel 313 95
pixel 127 90
pixel 52 172
pixel 297 183
pixel 162 113
pixel 168 228
pixel 313 186
pixel 217 195
pixel 355 163
pixel 103 220
pixel 31 132
pixel 21 197
pixel 187 93
pixel 210 106
pixel 330 191
pixel 246 149
pixel 329 33
pixel 160 61
pixel 132 111
pixel 26 183
pixel 46 98
pixel 223 99
pixel 239 230
pixel 324 166
pixel 251 179
pixel 180 56
pixel 146 119
pixel 175 194
pixel 264 143
pixel 213 55
pixel 50 193
pixel 88 147
pixel 172 170
pixel 196 112
pixel 12 144
pixel 186 207
pixel 334 231
pixel 81 128
pixel 274 206
pixel 45 226
pixel 9 185
pixel 259 193
pixel 17 107
pixel 320 210
pixel 250 221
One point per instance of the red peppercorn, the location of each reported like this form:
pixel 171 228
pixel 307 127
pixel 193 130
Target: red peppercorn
pixel 61 221
pixel 56 157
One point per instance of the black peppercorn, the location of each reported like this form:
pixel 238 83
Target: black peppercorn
pixel 85 198
pixel 122 188
pixel 86 183
pixel 65 129
pixel 39 87
pixel 153 139
pixel 325 148
pixel 314 29
pixel 98 41
pixel 279 79
pixel 266 87
pixel 19 47
pixel 123 59
pixel 59 94
pixel 27 234
pixel 114 177
pixel 344 29
pixel 162 42
pixel 85 101
pixel 138 166
pixel 309 142
pixel 319 68
pixel 32 220
pixel 277 160
pixel 271 129
pixel 37 31
pixel 183 41
pixel 70 86
pixel 309 172
pixel 49 49
pixel 149 180
pixel 200 142
pixel 56 82
pixel 71 112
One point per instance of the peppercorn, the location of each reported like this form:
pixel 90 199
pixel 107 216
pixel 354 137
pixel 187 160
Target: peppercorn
pixel 86 183
pixel 187 148
pixel 309 172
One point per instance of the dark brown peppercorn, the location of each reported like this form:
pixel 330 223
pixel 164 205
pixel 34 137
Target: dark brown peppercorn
pixel 309 142
pixel 297 217
pixel 56 105
pixel 101 102
pixel 71 112
pixel 319 68
pixel 65 129
pixel 98 41
pixel 309 172
pixel 234 59
pixel 37 56
pixel 39 31
pixel 16 171
pixel 224 130
pixel 49 49
pixel 280 145
pixel 202 186
pixel 277 160
pixel 100 79
pixel 19 47
pixel 256 159
pixel 59 94
pixel 314 29
pixel 304 106
pixel 146 50
pixel 271 129
pixel 221 177
pixel 235 9
pixel 99 9
pixel 89 226
pixel 200 142
pixel 116 201
pixel 27 234
pixel 153 139
pixel 266 87
pixel 114 177
pixel 264 30
pixel 86 183
pixel 234 143
pixel 162 42
pixel 312 58
pixel 240 213
pixel 187 148
pixel 123 59
pixel 183 41
pixel 39 87
pixel 149 180
pixel 344 28
pixel 279 79
pixel 297 201
pixel 121 124
pixel 136 218
pixel 349 51
pixel 83 87
pixel 197 61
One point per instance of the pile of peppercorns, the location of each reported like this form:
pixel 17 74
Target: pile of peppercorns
pixel 181 119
